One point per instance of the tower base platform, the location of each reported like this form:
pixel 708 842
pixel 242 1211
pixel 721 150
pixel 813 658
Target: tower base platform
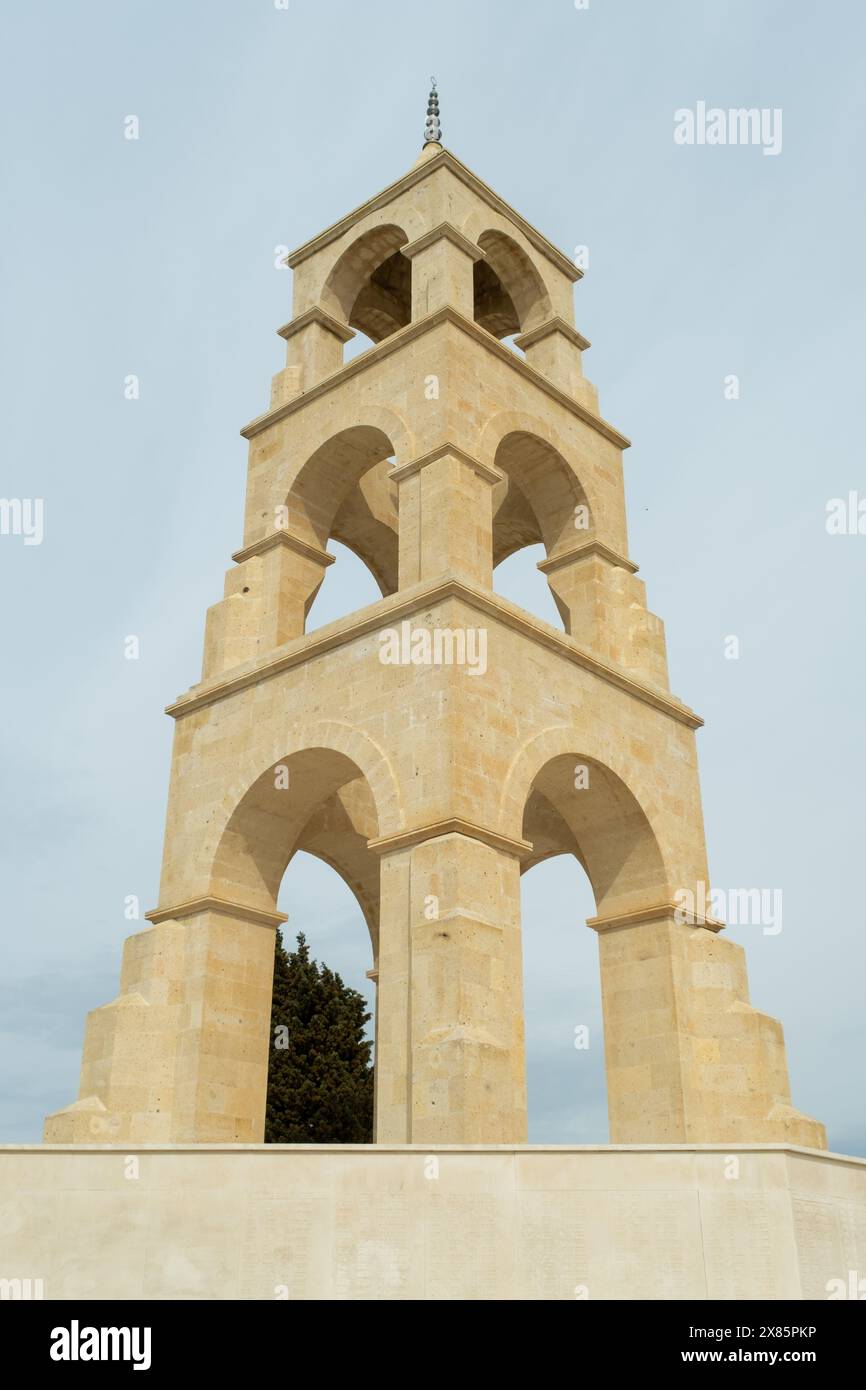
pixel 404 1222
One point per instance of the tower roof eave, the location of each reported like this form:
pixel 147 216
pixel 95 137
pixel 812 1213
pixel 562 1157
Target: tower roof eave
pixel 443 159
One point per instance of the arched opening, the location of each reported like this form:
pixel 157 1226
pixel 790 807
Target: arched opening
pixel 315 799
pixel 315 802
pixel 518 579
pixel 325 481
pixel 348 585
pixel 493 306
pixel 319 903
pixel 344 493
pixel 577 805
pixel 565 1074
pixel 321 906
pixel 366 523
pixel 509 294
pixel 542 510
pixel 544 501
pixel 320 1083
pixel 370 286
pixel 599 856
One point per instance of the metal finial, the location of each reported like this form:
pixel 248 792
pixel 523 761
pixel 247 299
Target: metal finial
pixel 432 128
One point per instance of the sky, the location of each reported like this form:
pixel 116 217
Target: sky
pixel 259 125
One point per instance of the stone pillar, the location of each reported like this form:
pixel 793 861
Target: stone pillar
pixel 393 1014
pixel 450 1061
pixel 445 508
pixel 267 599
pixel 126 1089
pixel 442 271
pixel 603 607
pixel 181 1056
pixel 555 350
pixel 374 976
pixel 688 1059
pixel 314 349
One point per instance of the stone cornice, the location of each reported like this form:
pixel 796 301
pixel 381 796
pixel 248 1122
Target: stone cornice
pixel 579 552
pixel 405 470
pixel 316 315
pixel 395 341
pixel 311 552
pixel 651 914
pixel 396 606
pixel 452 825
pixel 444 231
pixel 257 915
pixel 445 160
pixel 379 1152
pixel 554 325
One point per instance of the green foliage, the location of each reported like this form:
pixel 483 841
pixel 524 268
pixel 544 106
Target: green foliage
pixel 320 1077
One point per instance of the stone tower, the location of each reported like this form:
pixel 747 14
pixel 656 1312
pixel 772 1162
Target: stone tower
pixel 435 744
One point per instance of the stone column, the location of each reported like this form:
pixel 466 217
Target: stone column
pixel 181 1056
pixel 314 349
pixel 267 598
pixel 442 271
pixel 603 607
pixel 555 350
pixel 450 1062
pixel 374 976
pixel 688 1059
pixel 445 508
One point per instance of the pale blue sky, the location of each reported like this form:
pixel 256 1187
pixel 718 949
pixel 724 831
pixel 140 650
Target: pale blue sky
pixel 261 126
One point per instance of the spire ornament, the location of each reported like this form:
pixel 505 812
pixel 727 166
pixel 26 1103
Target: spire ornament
pixel 432 128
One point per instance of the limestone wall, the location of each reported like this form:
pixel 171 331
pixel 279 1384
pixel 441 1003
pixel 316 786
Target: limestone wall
pixel 269 1222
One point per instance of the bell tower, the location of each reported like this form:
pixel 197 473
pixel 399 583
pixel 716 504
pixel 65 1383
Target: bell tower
pixel 435 744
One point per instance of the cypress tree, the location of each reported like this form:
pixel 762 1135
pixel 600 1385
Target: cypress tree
pixel 320 1076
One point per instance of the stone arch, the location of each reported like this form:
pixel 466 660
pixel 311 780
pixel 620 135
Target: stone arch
pixel 344 490
pixel 340 845
pixel 370 285
pixel 505 422
pixel 538 503
pixel 337 834
pixel 608 824
pixel 367 523
pixel 511 296
pixel 327 790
